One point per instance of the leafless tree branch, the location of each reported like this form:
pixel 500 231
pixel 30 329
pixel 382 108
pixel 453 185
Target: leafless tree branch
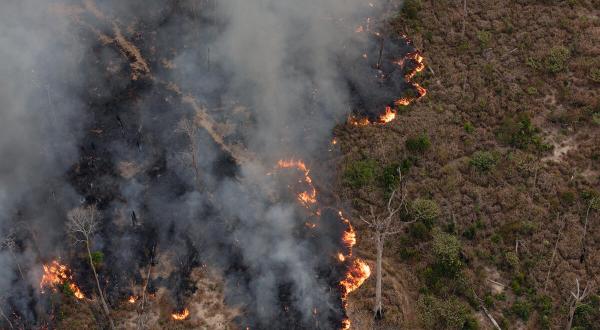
pixel 383 224
pixel 578 296
pixel 82 225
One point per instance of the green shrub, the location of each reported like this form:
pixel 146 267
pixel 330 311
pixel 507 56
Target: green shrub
pixel 97 257
pixel 531 90
pixel 408 253
pixel 418 230
pixel 533 63
pixel 488 300
pixel 471 323
pixel 428 35
pixel 567 197
pixel 522 309
pixel 390 178
pixel 406 164
pixel 470 233
pixel 496 238
pixel 66 290
pixel 595 75
pixel 412 8
pixel 556 60
pixel 519 132
pixel 425 210
pixel 360 173
pixel 512 260
pixel 469 128
pixel 464 46
pixel 418 144
pixel 484 37
pixel 543 305
pixel 446 249
pixel 596 118
pixel 445 313
pixel 483 161
pixel 584 316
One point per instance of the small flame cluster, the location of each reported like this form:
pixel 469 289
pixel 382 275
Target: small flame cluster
pixel 416 60
pixel 357 270
pixel 57 274
pixel 308 197
pixel 180 316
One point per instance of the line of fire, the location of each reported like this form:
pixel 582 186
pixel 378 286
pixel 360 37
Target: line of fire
pixel 182 218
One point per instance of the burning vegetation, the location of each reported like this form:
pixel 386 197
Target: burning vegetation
pixel 309 196
pixel 356 271
pixel 410 64
pixel 182 315
pixel 58 276
pixel 164 173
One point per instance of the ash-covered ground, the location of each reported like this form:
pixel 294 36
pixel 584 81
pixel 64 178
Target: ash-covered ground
pixel 170 118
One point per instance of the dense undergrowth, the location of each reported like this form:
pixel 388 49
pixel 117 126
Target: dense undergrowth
pixel 501 160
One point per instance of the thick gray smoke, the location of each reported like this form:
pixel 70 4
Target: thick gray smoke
pixel 282 56
pixel 78 124
pixel 41 116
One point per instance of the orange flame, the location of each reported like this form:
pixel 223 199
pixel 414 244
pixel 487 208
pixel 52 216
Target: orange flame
pixel 181 316
pixel 131 300
pixel 346 324
pixel 359 121
pixel 358 271
pixel 56 274
pixel 357 274
pixel 388 116
pixel 306 197
pixel 402 101
pixel 349 237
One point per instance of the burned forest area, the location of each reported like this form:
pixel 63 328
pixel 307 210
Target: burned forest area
pixel 287 164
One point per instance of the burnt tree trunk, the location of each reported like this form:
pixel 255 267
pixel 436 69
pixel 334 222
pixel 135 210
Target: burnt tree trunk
pixel 102 300
pixel 378 270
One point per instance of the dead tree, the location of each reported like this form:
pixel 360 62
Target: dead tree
pixel 578 297
pixel 464 22
pixel 10 244
pixel 554 251
pixel 593 205
pixel 4 315
pixel 190 130
pixel 384 224
pixel 82 225
pixel 142 315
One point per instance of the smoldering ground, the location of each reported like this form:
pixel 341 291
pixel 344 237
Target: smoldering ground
pixel 82 125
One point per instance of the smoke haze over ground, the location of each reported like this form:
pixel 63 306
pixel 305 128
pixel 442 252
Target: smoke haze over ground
pixel 81 124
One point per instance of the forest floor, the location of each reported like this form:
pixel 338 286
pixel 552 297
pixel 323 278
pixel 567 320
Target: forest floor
pixel 502 156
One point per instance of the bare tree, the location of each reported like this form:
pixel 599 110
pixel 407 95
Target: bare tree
pixel 593 205
pixel 142 315
pixel 464 22
pixel 190 130
pixel 82 225
pixel 578 297
pixel 485 310
pixel 10 244
pixel 384 224
pixel 554 251
pixel 4 315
